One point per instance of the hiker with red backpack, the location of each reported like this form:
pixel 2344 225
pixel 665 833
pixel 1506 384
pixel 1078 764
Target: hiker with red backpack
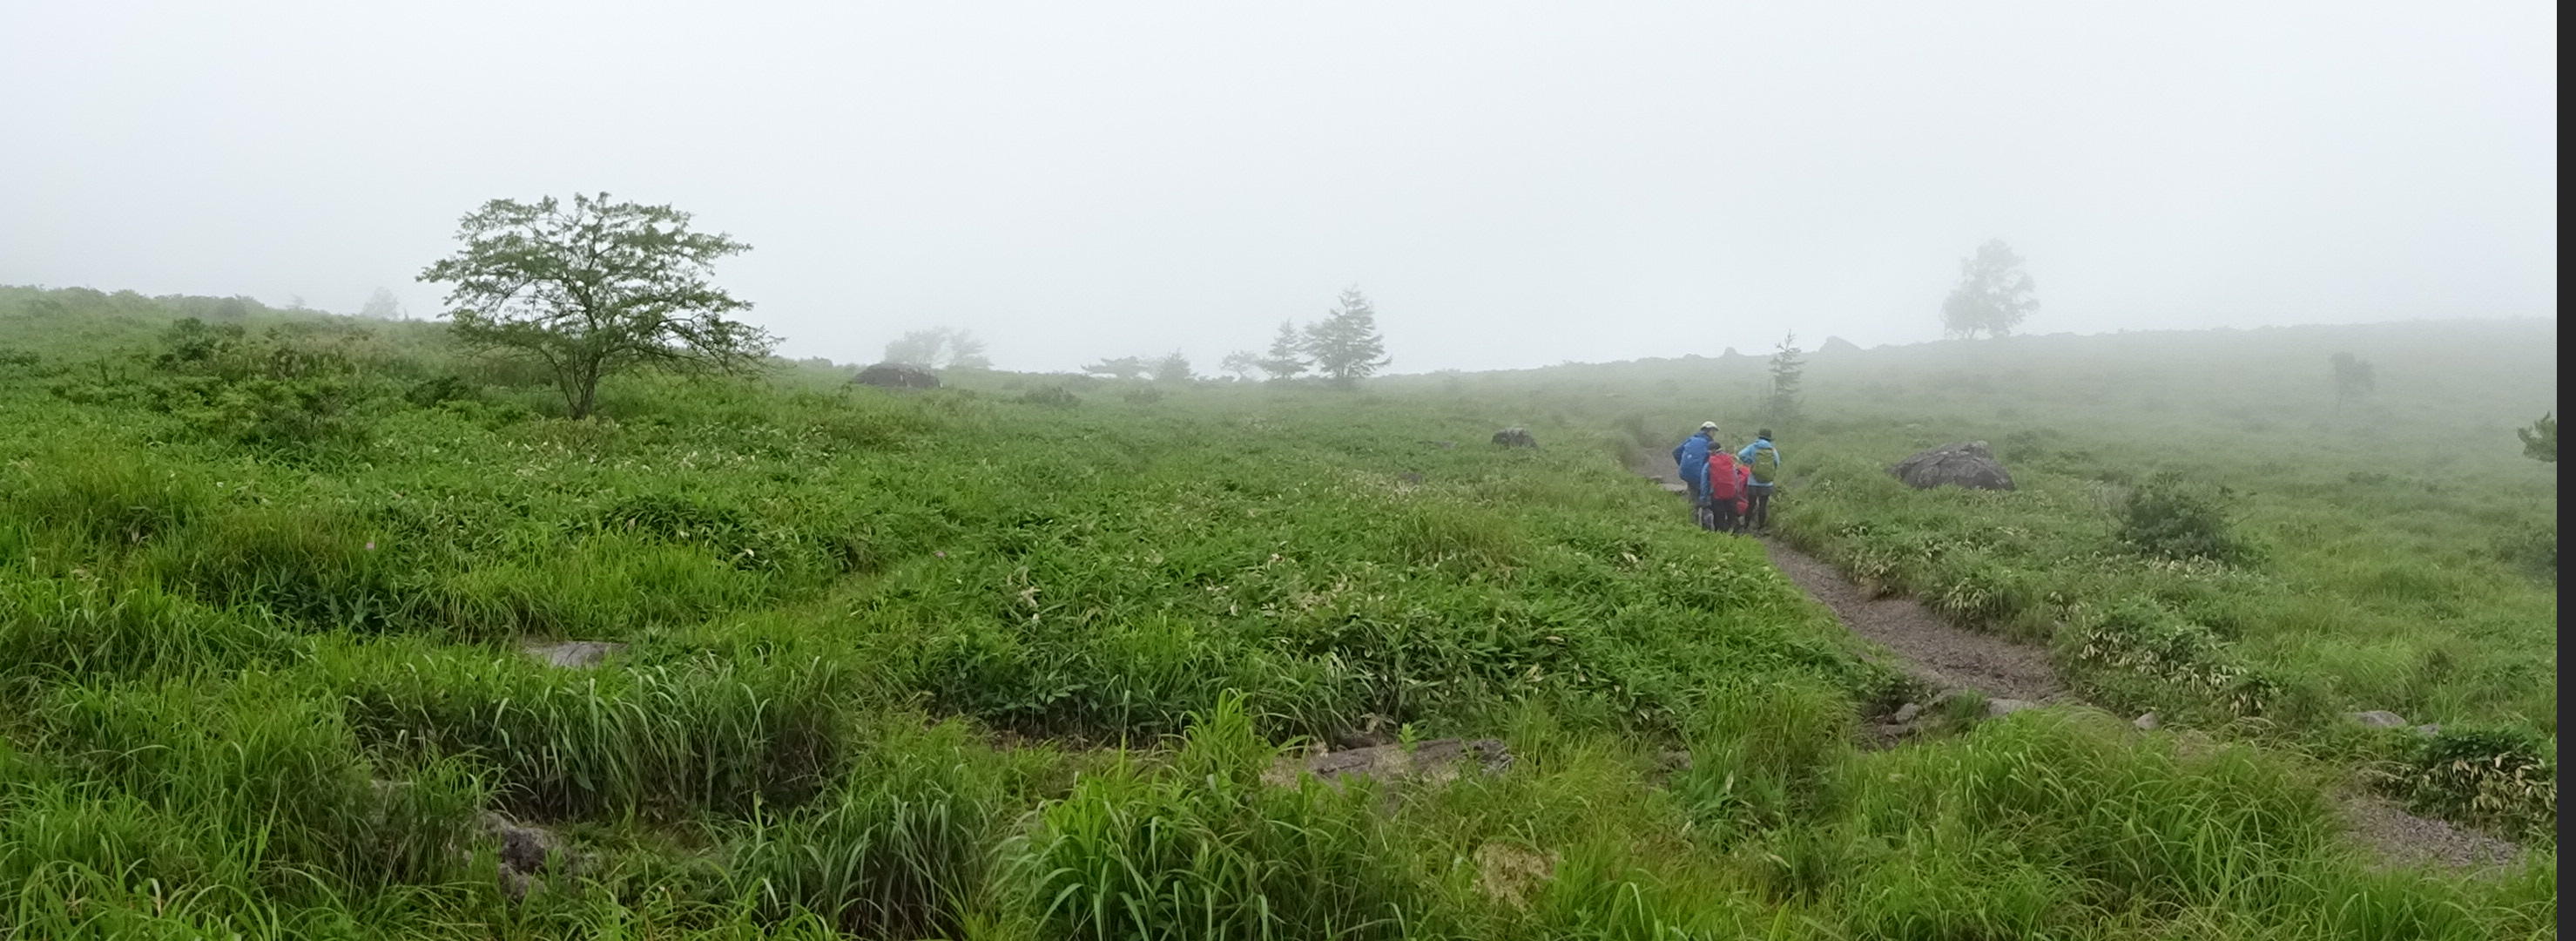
pixel 1722 492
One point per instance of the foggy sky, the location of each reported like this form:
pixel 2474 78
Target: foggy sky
pixel 1513 184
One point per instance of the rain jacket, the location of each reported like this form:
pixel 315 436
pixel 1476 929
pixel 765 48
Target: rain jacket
pixel 1758 446
pixel 1690 458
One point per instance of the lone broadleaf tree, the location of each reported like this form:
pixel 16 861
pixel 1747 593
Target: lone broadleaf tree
pixel 1241 363
pixel 1345 344
pixel 1993 294
pixel 594 289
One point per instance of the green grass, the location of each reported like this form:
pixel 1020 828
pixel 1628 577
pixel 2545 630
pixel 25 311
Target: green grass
pixel 961 665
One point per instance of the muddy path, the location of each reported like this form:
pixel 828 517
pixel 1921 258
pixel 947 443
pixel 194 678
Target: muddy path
pixel 1928 647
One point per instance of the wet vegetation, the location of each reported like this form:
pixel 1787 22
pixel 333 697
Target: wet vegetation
pixel 1027 659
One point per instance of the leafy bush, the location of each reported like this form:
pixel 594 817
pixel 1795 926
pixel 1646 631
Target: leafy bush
pixel 273 390
pixel 1057 396
pixel 2137 656
pixel 2170 516
pixel 2500 774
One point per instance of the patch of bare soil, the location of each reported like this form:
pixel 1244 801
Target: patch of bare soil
pixel 2403 837
pixel 1929 648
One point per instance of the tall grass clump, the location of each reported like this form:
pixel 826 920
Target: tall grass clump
pixel 56 630
pixel 262 784
pixel 902 847
pixel 648 739
pixel 1205 850
pixel 1761 756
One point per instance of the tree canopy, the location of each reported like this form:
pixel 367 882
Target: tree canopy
pixel 1345 345
pixel 1287 356
pixel 1788 367
pixel 594 288
pixel 938 348
pixel 1121 367
pixel 1994 294
pixel 2540 439
pixel 2353 377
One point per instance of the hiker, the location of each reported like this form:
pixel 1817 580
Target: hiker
pixel 1723 491
pixel 1690 458
pixel 1762 459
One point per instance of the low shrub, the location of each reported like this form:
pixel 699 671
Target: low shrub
pixel 2171 516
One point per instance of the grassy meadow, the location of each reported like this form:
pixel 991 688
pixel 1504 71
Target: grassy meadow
pixel 1011 661
pixel 2199 526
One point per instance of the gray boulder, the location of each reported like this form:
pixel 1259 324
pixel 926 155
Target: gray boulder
pixel 897 376
pixel 1963 464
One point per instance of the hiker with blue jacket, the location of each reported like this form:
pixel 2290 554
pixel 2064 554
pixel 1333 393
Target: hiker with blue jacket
pixel 1690 459
pixel 1763 458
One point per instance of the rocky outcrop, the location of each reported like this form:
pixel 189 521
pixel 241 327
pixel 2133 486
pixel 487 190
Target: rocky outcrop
pixel 897 376
pixel 1963 464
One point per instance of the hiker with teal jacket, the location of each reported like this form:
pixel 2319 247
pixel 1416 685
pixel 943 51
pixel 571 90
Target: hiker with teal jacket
pixel 1763 458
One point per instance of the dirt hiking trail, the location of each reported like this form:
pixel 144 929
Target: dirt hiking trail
pixel 1947 656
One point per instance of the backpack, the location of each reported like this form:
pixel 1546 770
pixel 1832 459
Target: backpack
pixel 1725 481
pixel 1766 465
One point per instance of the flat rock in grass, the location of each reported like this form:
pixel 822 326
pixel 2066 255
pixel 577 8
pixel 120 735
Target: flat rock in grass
pixel 2377 719
pixel 1509 874
pixel 1906 713
pixel 1515 438
pixel 1998 708
pixel 571 653
pixel 2428 730
pixel 2147 722
pixel 1435 760
pixel 526 852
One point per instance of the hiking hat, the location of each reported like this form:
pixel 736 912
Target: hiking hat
pixel 1708 426
pixel 1764 434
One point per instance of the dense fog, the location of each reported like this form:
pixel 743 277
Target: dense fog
pixel 1511 184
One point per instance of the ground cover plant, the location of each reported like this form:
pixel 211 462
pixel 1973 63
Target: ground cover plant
pixel 979 663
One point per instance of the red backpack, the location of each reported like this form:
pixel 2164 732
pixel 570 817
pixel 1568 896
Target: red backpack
pixel 1724 481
